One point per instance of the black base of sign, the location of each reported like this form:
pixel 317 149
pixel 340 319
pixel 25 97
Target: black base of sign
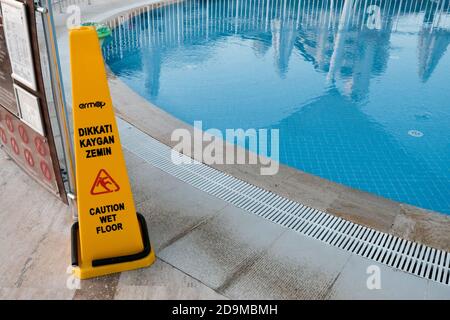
pixel 108 261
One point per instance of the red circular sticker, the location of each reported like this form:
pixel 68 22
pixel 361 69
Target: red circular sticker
pixel 3 136
pixel 15 146
pixel 9 124
pixel 29 158
pixel 46 171
pixel 40 146
pixel 23 134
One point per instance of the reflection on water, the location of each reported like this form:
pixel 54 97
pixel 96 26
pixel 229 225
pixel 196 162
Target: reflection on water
pixel 344 81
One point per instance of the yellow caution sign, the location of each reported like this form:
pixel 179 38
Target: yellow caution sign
pixel 109 236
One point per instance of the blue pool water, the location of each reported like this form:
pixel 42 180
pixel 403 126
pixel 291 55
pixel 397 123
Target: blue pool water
pixel 360 90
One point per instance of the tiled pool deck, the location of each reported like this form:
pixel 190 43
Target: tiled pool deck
pixel 208 248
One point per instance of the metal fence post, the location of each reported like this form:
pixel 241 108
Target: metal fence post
pixel 46 11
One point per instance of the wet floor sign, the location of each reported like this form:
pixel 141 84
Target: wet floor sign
pixel 109 236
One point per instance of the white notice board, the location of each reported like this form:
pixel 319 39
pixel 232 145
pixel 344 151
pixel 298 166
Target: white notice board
pixel 29 110
pixel 18 41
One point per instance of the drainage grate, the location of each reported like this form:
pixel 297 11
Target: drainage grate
pixel 411 257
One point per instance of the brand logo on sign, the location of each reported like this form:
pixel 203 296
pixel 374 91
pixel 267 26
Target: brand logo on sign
pixel 89 105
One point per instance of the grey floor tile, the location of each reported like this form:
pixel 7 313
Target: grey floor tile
pixel 295 267
pixel 162 281
pixel 147 182
pixel 218 251
pixel 395 284
pixel 174 213
pixel 438 291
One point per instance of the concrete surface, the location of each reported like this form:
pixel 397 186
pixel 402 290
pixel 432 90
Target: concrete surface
pixel 35 249
pixel 206 248
pixel 34 245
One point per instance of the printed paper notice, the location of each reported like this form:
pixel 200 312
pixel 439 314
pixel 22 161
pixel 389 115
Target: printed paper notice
pixel 18 41
pixel 30 112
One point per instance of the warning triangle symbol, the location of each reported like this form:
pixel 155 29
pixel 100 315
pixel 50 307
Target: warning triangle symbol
pixel 104 183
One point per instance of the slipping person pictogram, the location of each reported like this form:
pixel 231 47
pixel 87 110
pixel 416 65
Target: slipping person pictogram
pixel 104 183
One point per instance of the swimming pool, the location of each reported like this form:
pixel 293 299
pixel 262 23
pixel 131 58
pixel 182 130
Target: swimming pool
pixel 360 90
